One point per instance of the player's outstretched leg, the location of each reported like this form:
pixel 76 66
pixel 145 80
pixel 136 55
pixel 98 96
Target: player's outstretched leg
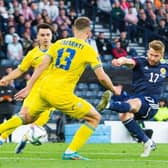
pixel 148 147
pixel 21 146
pixel 105 100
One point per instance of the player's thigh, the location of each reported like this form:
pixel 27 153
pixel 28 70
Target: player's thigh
pixel 135 104
pixel 149 107
pixel 46 113
pixel 35 105
pixel 76 108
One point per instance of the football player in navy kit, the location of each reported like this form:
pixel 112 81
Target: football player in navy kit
pixel 149 73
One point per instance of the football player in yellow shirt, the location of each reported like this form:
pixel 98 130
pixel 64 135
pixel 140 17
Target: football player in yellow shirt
pixel 69 58
pixel 31 60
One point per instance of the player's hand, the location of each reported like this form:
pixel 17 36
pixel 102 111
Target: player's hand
pixel 22 94
pixel 118 90
pixel 4 82
pixel 115 62
pixel 118 62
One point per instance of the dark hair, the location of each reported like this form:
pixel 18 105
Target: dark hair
pixel 44 26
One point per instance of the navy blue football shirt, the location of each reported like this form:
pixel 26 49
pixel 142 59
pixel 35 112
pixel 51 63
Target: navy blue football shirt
pixel 148 80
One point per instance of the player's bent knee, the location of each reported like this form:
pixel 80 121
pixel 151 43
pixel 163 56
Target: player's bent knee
pixel 26 118
pixel 125 116
pixel 97 117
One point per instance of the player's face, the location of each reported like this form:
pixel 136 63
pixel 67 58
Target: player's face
pixel 154 57
pixel 44 37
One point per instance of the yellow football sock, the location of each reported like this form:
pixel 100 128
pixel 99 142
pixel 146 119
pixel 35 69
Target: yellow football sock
pixel 12 123
pixel 81 136
pixel 43 118
pixel 6 134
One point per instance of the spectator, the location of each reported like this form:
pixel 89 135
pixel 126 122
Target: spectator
pixel 62 18
pixel 103 45
pixel 43 5
pixel 124 44
pixel 117 51
pixel 26 41
pixel 148 5
pixel 118 16
pixel 26 11
pixel 123 40
pixel 153 20
pixel 61 5
pixel 54 11
pixel 104 5
pixel 38 20
pixel 145 27
pixel 16 15
pixel 9 35
pixel 20 27
pixel 125 5
pixel 30 30
pixel 138 5
pixel 14 6
pixel 132 9
pixel 72 16
pixel 44 13
pixel 55 32
pixel 34 8
pixel 14 51
pixel 3 10
pixel 162 114
pixel 162 30
pixel 161 12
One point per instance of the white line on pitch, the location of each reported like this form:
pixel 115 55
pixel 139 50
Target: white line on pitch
pixel 114 160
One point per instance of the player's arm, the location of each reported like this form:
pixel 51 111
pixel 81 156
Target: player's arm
pixel 37 72
pixel 11 76
pixel 19 71
pixel 106 81
pixel 124 61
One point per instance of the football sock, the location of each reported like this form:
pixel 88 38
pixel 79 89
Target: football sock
pixel 43 118
pixel 12 123
pixel 133 127
pixel 120 107
pixel 80 138
pixel 6 134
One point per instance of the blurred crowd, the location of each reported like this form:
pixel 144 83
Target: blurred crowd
pixel 135 20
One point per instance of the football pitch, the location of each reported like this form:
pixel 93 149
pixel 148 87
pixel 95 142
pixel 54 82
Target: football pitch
pixel 49 155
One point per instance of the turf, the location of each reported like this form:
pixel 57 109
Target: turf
pixel 101 156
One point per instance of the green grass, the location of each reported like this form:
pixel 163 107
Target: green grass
pixel 102 156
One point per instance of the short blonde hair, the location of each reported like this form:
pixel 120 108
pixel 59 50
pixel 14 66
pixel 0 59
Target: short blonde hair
pixel 157 45
pixel 82 23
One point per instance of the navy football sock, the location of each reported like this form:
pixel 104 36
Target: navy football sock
pixel 120 107
pixel 133 127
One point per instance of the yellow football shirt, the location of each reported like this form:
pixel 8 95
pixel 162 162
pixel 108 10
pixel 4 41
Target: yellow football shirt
pixel 33 59
pixel 70 57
